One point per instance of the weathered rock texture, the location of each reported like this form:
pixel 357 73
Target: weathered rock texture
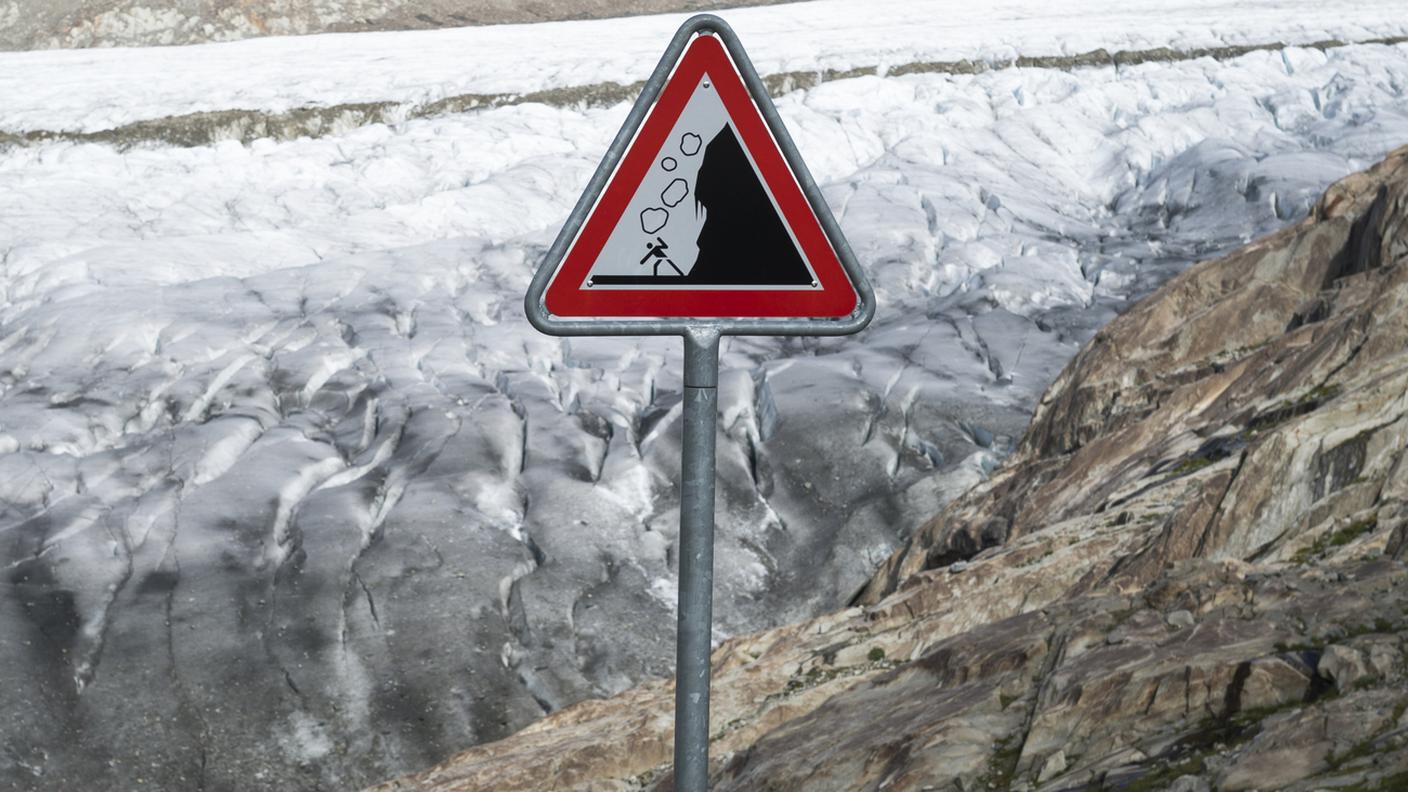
pixel 47 24
pixel 1259 396
pixel 1191 576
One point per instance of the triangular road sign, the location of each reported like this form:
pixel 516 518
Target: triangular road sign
pixel 702 214
pixel 702 222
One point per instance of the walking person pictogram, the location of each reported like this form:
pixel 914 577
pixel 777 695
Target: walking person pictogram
pixel 657 250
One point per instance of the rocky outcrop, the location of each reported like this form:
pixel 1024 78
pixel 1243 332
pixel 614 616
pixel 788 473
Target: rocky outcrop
pixel 1261 395
pixel 1190 576
pixel 1196 677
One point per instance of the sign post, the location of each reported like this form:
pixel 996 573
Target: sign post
pixel 701 221
pixel 696 554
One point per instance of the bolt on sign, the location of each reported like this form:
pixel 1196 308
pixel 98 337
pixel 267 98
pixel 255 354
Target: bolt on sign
pixel 701 221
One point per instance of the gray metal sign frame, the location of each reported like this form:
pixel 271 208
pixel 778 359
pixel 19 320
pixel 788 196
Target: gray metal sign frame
pixel 701 375
pixel 533 304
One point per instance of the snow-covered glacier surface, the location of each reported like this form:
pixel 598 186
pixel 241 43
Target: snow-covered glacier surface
pixel 292 497
pixel 94 89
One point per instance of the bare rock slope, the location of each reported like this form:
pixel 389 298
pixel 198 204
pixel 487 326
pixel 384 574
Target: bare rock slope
pixel 47 24
pixel 1191 575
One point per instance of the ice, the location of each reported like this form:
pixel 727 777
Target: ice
pixel 287 479
pixel 96 89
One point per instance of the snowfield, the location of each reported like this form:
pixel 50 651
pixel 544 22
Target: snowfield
pixel 291 495
pixel 94 89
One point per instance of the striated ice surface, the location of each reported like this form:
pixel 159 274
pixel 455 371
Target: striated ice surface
pixel 292 497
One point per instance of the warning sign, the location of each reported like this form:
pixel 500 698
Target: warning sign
pixel 702 222
pixel 702 215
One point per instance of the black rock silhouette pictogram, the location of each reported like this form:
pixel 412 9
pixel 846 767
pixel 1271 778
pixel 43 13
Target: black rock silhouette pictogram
pixel 743 240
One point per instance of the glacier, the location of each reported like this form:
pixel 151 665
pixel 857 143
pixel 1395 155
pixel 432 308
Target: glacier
pixel 291 495
pixel 87 90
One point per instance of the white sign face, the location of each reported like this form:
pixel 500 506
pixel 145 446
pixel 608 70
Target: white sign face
pixel 665 239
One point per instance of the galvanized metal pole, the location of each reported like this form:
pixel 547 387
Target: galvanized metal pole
pixel 696 554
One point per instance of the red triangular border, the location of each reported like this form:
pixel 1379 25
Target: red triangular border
pixel 835 296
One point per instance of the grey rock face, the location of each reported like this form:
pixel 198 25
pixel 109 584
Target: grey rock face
pixel 47 24
pixel 1054 765
pixel 1180 619
pixel 1189 783
pixel 1343 666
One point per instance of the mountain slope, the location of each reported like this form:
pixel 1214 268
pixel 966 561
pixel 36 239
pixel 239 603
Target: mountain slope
pixel 44 24
pixel 1191 576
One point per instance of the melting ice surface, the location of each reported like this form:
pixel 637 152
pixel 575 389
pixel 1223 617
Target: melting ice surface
pixel 292 497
